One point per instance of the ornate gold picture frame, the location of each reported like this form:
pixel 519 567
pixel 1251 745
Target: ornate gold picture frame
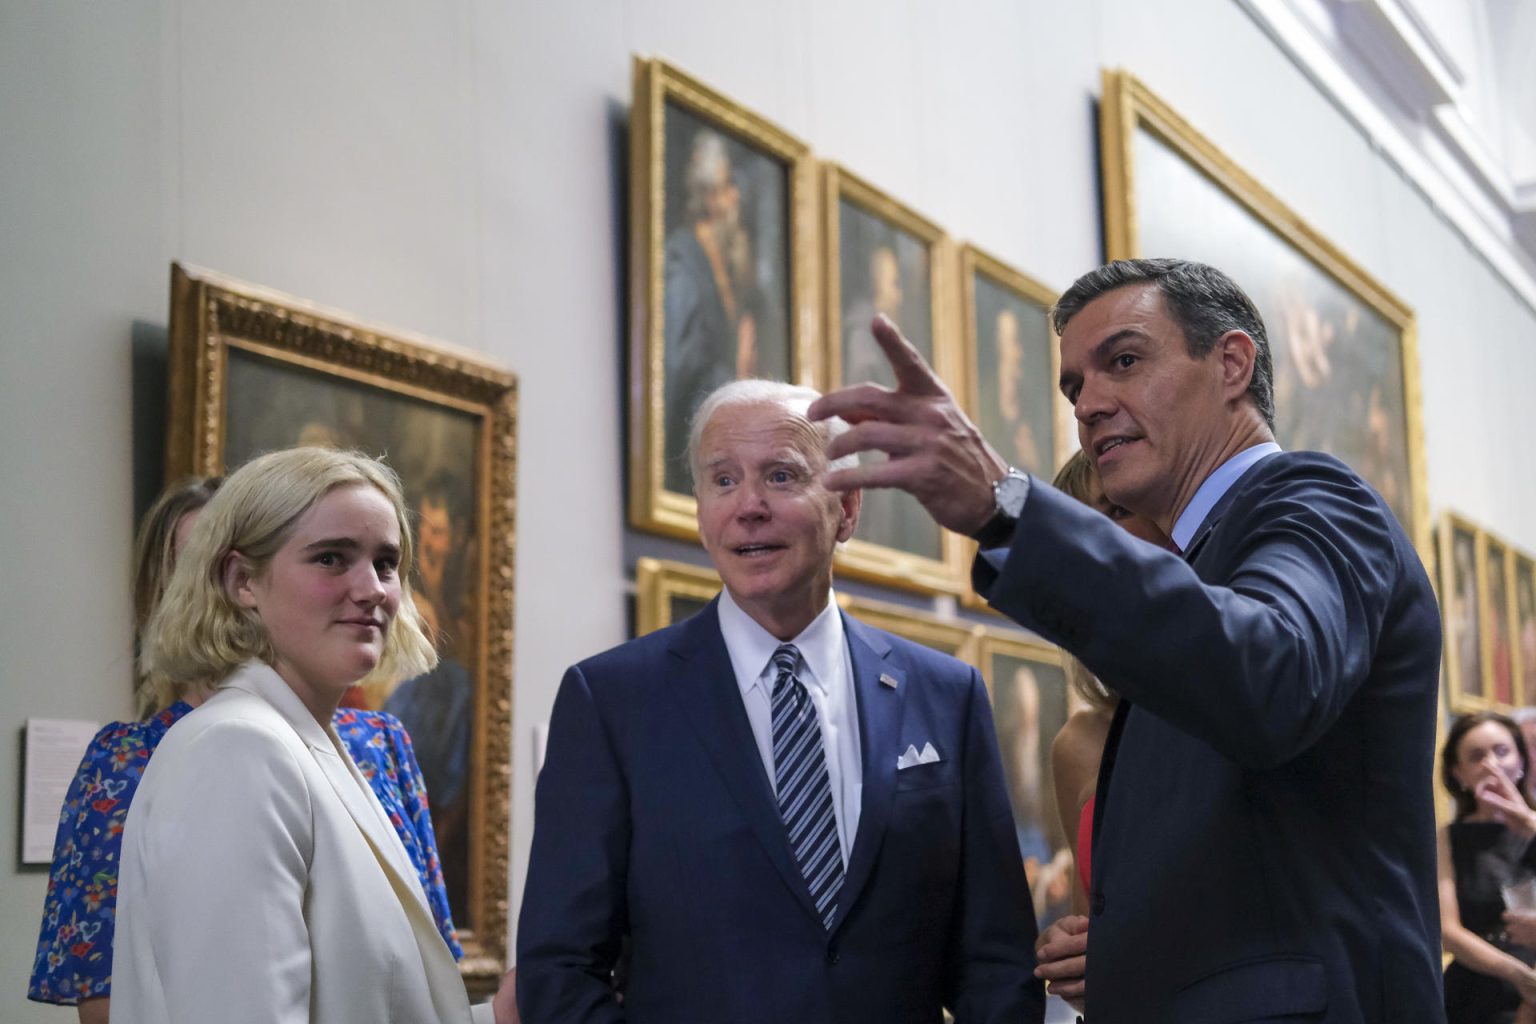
pixel 1028 686
pixel 884 257
pixel 1523 575
pixel 1497 619
pixel 252 369
pixel 1345 348
pixel 723 274
pixel 1460 607
pixel 667 592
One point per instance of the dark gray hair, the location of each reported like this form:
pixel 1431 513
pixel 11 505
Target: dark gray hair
pixel 1202 300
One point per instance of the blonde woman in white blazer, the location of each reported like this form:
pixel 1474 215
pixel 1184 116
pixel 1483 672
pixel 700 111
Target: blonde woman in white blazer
pixel 261 881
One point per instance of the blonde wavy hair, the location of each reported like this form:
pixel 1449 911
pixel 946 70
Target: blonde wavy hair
pixel 199 633
pixel 1079 479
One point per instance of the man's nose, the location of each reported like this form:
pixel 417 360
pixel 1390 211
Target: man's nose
pixel 1094 401
pixel 752 502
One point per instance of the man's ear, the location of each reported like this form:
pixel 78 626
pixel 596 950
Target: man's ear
pixel 851 502
pixel 237 573
pixel 1236 352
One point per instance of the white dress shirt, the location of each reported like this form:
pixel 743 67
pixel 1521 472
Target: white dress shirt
pixel 826 671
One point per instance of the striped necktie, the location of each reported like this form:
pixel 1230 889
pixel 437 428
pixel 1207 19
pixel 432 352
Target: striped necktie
pixel 805 792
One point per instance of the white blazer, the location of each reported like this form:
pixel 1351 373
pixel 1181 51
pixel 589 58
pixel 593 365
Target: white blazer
pixel 262 883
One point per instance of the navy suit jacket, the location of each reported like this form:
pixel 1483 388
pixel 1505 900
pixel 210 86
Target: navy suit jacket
pixel 1264 841
pixel 655 822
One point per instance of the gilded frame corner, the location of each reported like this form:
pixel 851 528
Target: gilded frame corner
pixel 658 581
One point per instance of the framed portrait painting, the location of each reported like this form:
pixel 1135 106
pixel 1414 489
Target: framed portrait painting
pixel 668 592
pixel 723 213
pixel 1011 362
pixel 885 258
pixel 1028 687
pixel 1344 347
pixel 1497 615
pixel 254 370
pixel 1525 626
pixel 1461 608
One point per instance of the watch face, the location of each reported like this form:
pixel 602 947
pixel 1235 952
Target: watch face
pixel 1011 492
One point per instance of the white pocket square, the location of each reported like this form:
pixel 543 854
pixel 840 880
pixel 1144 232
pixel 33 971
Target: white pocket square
pixel 912 757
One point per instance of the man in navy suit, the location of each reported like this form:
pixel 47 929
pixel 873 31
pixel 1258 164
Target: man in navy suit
pixel 781 814
pixel 1263 844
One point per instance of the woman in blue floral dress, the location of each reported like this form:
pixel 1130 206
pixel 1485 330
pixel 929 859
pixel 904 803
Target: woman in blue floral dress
pixel 74 951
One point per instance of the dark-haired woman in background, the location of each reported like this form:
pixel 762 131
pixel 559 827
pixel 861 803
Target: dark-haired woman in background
pixel 1486 847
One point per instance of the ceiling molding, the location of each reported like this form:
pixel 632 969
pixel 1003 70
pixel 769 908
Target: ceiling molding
pixel 1388 73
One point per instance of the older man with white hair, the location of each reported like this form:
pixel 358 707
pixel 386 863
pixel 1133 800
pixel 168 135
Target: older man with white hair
pixel 784 814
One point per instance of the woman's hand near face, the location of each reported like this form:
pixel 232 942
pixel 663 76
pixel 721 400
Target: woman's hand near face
pixel 1502 797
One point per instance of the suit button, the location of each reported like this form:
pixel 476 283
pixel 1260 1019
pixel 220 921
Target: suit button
pixel 1098 904
pixel 833 957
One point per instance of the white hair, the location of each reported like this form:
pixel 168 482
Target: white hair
pixel 795 398
pixel 705 163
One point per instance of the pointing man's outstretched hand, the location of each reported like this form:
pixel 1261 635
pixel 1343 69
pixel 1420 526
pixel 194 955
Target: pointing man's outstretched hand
pixel 935 452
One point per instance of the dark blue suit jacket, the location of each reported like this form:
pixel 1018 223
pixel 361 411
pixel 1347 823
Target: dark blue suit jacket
pixel 656 822
pixel 1264 841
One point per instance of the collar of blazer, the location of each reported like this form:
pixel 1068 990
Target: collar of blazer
pixel 351 788
pixel 711 701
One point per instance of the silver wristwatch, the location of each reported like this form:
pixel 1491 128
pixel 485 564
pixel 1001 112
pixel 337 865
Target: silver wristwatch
pixel 1008 494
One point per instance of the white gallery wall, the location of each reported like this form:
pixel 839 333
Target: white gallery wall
pixel 456 169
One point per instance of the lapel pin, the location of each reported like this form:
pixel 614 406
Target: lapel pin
pixel 886 679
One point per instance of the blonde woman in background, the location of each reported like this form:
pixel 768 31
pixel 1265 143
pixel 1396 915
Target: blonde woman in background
pixel 261 879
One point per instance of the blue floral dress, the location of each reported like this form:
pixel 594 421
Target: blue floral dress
pixel 74 951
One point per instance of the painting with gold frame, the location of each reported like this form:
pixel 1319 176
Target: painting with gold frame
pixel 1465 684
pixel 1011 363
pixel 668 592
pixel 253 370
pixel 1028 686
pixel 883 257
pixel 723 276
pixel 1523 577
pixel 1344 347
pixel 1496 616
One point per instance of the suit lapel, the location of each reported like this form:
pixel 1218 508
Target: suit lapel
pixel 706 690
pixel 880 713
pixel 346 781
pixel 352 789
